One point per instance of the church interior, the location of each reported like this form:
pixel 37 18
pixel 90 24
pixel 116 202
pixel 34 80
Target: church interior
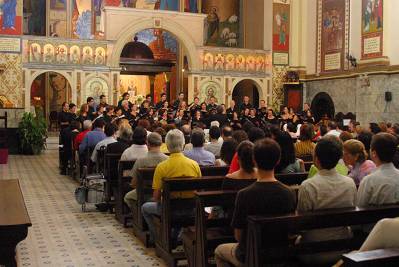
pixel 287 111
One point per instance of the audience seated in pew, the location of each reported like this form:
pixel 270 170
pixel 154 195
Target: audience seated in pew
pixel 87 125
pixel 215 144
pixel 355 158
pixel 381 187
pixel 93 137
pixel 245 159
pixel 227 152
pixel 198 153
pixel 176 166
pixel 139 148
pixel 253 135
pixel 326 190
pixel 288 162
pixel 123 140
pixel 110 132
pixel 266 196
pixel 304 147
pixel 153 157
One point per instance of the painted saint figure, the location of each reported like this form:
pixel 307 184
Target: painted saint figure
pixel 213 23
pixel 9 9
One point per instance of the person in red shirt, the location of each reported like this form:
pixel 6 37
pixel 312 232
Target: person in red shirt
pixel 79 138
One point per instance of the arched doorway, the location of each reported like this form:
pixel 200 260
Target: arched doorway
pixel 322 106
pixel 152 64
pixel 249 88
pixel 48 91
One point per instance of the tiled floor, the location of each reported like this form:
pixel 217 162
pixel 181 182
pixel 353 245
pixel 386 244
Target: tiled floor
pixel 62 235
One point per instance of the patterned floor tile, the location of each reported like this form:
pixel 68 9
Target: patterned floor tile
pixel 61 234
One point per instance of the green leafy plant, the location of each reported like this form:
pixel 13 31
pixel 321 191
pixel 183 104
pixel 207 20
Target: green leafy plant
pixel 32 131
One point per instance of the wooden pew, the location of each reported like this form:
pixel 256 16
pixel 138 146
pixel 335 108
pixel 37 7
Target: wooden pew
pixel 164 224
pixel 199 253
pixel 122 212
pixel 111 176
pixel 372 258
pixel 308 164
pixel 201 240
pixel 14 220
pixel 144 193
pixel 265 244
pixel 291 179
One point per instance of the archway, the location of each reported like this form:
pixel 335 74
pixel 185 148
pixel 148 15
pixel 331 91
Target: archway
pixel 48 91
pixel 183 37
pixel 150 64
pixel 322 106
pixel 249 88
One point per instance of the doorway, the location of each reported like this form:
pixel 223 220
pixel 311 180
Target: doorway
pixel 249 88
pixel 323 106
pixel 48 91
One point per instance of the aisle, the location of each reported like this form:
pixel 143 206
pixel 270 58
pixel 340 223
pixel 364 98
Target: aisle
pixel 62 235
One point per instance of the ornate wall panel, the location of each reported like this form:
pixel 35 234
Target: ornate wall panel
pixel 372 28
pixel 222 26
pixel 332 35
pixel 11 17
pixel 281 32
pixel 64 52
pixel 11 79
pixel 279 76
pixel 236 60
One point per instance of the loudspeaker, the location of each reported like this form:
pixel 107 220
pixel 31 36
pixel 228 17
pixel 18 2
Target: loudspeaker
pixel 388 96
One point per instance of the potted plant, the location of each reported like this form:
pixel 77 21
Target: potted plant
pixel 32 131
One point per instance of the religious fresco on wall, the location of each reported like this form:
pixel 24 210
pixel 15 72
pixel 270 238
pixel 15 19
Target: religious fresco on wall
pixel 34 17
pixel 333 35
pixel 372 28
pixel 172 5
pixel 58 52
pixel 82 19
pixel 48 53
pixel 74 55
pixel 222 25
pixel 162 43
pixel 281 32
pixel 211 89
pixel 95 88
pixel 58 18
pixel 11 17
pixel 59 90
pixel 246 62
pixel 191 6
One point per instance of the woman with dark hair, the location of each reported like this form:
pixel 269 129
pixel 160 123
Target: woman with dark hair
pixel 270 118
pixel 288 162
pixel 245 158
pixel 204 111
pixel 304 148
pixel 365 137
pixel 227 152
pixel 374 128
pixel 83 113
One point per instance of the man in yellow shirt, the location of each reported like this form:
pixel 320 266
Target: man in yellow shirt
pixel 176 166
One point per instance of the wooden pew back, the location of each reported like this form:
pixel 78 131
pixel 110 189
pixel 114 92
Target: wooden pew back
pixel 265 243
pixel 167 220
pixel 123 186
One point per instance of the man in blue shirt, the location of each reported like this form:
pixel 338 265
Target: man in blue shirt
pixel 93 137
pixel 198 153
